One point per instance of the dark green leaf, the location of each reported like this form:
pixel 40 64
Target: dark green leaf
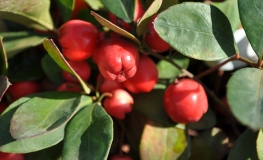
pixel 230 9
pixel 3 59
pixel 115 28
pixel 25 66
pixel 66 7
pixel 31 13
pixel 123 9
pixel 260 145
pixel 197 30
pixel 8 144
pixel 95 4
pixel 146 18
pixel 245 96
pixel 151 105
pixel 245 147
pixel 52 70
pixel 168 71
pixel 89 135
pixel 56 55
pixel 209 144
pixel 44 114
pixel 4 84
pixel 160 142
pixel 207 121
pixel 167 3
pixel 15 42
pixel 250 12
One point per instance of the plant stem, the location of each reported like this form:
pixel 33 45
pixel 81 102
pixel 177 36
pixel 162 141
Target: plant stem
pixel 107 94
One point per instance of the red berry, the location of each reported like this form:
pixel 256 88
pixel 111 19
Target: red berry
pixel 185 101
pixel 145 77
pixel 78 39
pixel 118 59
pixel 118 104
pixel 153 40
pixel 3 106
pixel 23 88
pixel 78 5
pixel 70 87
pixel 11 156
pixel 107 85
pixel 120 157
pixel 82 68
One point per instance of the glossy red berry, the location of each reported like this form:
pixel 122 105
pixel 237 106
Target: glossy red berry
pixel 185 101
pixel 11 156
pixel 118 59
pixel 145 77
pixel 118 104
pixel 23 88
pixel 153 40
pixel 78 6
pixel 3 106
pixel 70 87
pixel 78 39
pixel 120 157
pixel 107 85
pixel 82 68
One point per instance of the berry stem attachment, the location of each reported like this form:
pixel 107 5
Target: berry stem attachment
pixel 106 94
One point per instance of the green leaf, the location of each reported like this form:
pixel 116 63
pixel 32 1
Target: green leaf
pixel 52 70
pixel 56 55
pixel 8 144
pixel 123 9
pixel 245 96
pixel 31 13
pixel 167 3
pixel 151 105
pixel 4 84
pixel 260 145
pixel 25 66
pixel 168 71
pixel 53 110
pixel 143 23
pixel 115 28
pixel 230 9
pixel 209 144
pixel 160 142
pixel 95 4
pixel 245 147
pixel 207 121
pixel 251 17
pixel 89 135
pixel 197 30
pixel 3 58
pixel 66 7
pixel 16 42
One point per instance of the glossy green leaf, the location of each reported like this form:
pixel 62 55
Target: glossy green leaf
pixel 151 105
pixel 95 4
pixel 250 12
pixel 25 66
pixel 3 59
pixel 197 30
pixel 146 18
pixel 115 28
pixel 89 135
pixel 43 114
pixel 245 97
pixel 31 13
pixel 52 70
pixel 245 147
pixel 207 121
pixel 16 42
pixel 66 7
pixel 260 145
pixel 56 55
pixel 123 9
pixel 160 142
pixel 4 84
pixel 209 144
pixel 9 144
pixel 230 9
pixel 168 71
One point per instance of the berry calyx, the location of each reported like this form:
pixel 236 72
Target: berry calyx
pixel 185 101
pixel 78 39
